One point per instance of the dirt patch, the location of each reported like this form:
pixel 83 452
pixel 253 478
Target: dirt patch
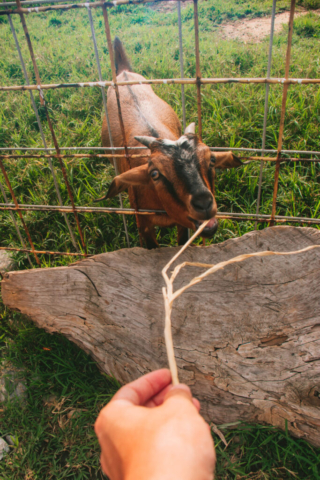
pixel 256 29
pixel 169 6
pixel 252 30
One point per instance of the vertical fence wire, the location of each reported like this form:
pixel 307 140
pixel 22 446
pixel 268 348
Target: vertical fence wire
pixel 132 195
pixel 181 67
pixel 54 138
pixel 198 72
pixel 183 99
pixel 55 181
pixel 15 223
pixel 19 211
pixel 266 101
pixel 283 112
pixel 115 161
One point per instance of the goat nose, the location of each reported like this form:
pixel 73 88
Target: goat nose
pixel 202 201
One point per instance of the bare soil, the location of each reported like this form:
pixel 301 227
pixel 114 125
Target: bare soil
pixel 256 29
pixel 169 6
pixel 246 30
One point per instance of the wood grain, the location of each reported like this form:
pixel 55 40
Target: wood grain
pixel 247 339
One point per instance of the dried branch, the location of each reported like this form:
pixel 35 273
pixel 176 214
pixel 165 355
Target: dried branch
pixel 169 296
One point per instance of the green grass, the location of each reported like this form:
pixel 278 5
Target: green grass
pixel 62 378
pixel 232 115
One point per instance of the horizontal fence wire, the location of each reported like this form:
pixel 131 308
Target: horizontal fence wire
pixel 44 252
pixel 131 211
pixel 167 81
pixel 106 155
pixel 214 149
pixel 198 81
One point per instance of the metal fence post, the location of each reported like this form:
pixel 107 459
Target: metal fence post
pixel 283 112
pixel 114 79
pixel 43 103
pixel 266 106
pixel 115 161
pixel 198 72
pixel 55 181
pixel 181 67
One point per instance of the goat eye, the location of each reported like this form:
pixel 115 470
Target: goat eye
pixel 155 174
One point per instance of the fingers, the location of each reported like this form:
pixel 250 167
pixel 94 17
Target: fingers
pixel 182 390
pixel 159 398
pixel 196 403
pixel 145 388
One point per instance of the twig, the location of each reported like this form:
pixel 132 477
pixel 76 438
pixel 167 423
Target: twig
pixel 169 296
pixel 219 433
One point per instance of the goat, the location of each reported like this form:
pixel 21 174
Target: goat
pixel 179 175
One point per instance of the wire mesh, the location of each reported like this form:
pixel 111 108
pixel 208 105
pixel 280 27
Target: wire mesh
pixel 198 81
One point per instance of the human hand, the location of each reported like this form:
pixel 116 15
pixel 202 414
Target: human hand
pixel 152 430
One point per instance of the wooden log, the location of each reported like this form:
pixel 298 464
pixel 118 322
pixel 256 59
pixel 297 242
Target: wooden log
pixel 247 339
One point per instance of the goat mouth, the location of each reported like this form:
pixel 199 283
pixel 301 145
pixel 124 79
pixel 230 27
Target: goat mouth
pixel 209 230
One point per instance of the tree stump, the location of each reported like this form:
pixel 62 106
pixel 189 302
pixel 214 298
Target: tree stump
pixel 247 339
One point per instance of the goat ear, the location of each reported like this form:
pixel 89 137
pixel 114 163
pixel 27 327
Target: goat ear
pixel 225 160
pixel 191 128
pixel 135 176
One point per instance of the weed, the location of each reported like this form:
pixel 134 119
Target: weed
pixel 307 26
pixel 55 22
pixel 310 4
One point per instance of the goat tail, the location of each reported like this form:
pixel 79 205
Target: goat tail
pixel 120 57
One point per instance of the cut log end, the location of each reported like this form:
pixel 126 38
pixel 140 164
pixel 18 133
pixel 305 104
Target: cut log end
pixel 246 339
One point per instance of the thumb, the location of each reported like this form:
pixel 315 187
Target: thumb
pixel 182 390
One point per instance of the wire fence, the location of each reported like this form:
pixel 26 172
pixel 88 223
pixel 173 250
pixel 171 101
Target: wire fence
pixel 111 152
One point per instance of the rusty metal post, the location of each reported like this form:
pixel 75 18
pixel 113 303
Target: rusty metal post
pixel 132 195
pixel 104 101
pixel 43 103
pixel 198 72
pixel 181 67
pixel 266 101
pixel 55 180
pixel 283 112
pixel 19 211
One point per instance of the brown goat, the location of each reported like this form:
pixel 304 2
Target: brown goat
pixel 179 175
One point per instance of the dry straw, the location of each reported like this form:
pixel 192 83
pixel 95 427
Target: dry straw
pixel 169 295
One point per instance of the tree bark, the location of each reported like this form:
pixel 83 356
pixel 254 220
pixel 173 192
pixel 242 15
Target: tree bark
pixel 247 339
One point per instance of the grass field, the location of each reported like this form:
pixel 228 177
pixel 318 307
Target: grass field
pixel 51 445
